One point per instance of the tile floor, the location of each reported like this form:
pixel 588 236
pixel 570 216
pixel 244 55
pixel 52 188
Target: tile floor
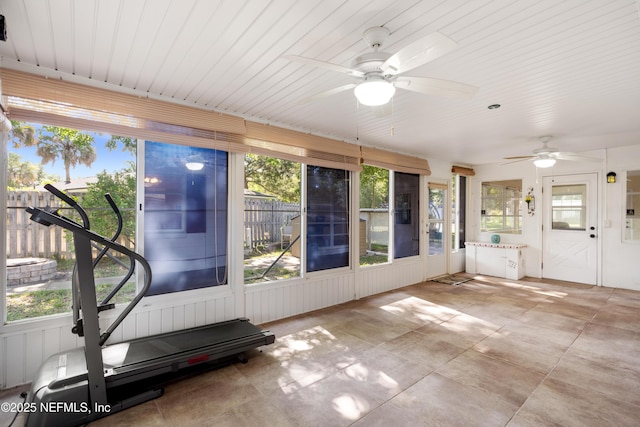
pixel 488 352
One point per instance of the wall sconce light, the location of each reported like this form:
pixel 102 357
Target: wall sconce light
pixel 530 199
pixel 611 177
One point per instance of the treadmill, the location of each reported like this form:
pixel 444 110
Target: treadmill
pixel 81 385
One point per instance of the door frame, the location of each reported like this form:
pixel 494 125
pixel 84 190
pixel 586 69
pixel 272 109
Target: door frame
pixel 596 176
pixel 441 265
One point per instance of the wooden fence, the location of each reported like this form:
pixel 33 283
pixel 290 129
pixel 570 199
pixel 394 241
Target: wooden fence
pixel 264 220
pixel 26 238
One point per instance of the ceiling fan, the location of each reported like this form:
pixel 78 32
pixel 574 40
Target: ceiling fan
pixel 546 156
pixel 380 73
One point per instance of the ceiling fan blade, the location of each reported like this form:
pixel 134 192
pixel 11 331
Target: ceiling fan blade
pixel 325 65
pixel 437 87
pixel 418 53
pixel 516 159
pixel 576 157
pixel 519 157
pixel 327 93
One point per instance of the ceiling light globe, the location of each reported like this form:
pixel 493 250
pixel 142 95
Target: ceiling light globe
pixel 374 92
pixel 194 166
pixel 544 162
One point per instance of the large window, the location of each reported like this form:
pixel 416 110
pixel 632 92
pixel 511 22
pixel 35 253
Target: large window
pixel 40 259
pixel 185 217
pixel 328 237
pixel 501 207
pixel 374 215
pixel 272 220
pixel 406 224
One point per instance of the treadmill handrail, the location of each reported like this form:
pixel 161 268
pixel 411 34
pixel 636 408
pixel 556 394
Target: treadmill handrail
pixel 44 217
pixel 68 200
pixel 115 236
pixel 104 250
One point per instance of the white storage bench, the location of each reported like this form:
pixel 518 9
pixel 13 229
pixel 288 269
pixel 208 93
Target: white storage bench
pixel 495 259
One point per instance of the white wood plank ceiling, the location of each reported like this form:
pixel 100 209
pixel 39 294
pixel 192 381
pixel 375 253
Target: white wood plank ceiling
pixel 570 69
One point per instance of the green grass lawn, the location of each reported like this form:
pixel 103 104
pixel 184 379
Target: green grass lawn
pixel 38 303
pixel 280 271
pixel 31 304
pixel 373 259
pixel 253 274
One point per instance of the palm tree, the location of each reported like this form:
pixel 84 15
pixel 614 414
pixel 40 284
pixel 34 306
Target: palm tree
pixel 22 174
pixel 70 145
pixel 22 134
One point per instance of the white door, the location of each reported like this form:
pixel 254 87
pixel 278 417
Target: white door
pixel 437 226
pixel 569 233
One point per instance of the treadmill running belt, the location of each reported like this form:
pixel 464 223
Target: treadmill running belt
pixel 173 344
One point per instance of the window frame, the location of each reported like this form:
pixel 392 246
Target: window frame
pixel 389 218
pixel 211 209
pixel 4 284
pixel 307 241
pixel 631 214
pixel 411 214
pixel 502 201
pixel 296 247
pixel 561 207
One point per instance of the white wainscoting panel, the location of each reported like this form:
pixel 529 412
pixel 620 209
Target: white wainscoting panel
pixel 24 347
pixel 457 261
pixel 386 277
pixel 274 301
pixel 22 352
pixel 265 303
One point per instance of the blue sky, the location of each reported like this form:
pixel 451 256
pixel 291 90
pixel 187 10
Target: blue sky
pixel 105 159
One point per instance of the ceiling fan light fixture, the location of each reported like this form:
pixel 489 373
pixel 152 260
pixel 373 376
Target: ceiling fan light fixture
pixel 544 162
pixel 374 92
pixel 194 166
pixel 194 163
